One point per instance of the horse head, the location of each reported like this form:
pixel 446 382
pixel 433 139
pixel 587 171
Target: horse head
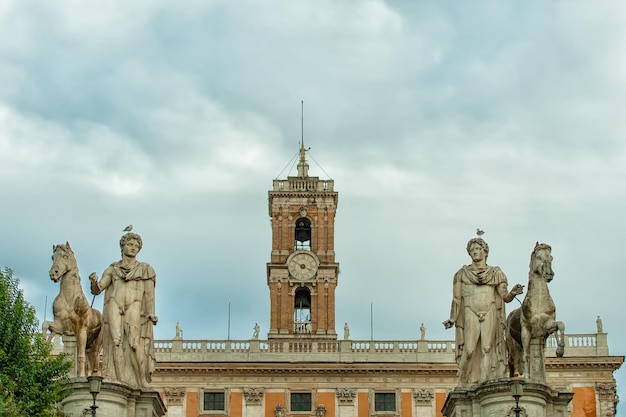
pixel 541 261
pixel 63 260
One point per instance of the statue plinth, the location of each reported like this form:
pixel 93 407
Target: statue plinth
pixel 115 399
pixel 494 399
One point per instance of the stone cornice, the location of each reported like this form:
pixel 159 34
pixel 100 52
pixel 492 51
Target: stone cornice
pixel 611 363
pixel 303 368
pixel 435 372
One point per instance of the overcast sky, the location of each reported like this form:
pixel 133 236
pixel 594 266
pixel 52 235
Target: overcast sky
pixel 433 118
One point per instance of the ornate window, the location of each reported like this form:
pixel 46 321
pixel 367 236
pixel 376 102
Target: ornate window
pixel 301 401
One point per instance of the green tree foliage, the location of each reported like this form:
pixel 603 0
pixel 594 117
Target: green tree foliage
pixel 31 380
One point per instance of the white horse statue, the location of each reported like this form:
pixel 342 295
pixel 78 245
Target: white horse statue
pixel 73 316
pixel 530 325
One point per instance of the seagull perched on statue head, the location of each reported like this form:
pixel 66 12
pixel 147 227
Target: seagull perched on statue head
pixel 480 232
pixel 128 228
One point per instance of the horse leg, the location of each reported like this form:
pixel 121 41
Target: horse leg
pixel 514 343
pixel 94 340
pixel 560 348
pixel 525 333
pixel 44 330
pixel 54 327
pixel 81 343
pixel 558 329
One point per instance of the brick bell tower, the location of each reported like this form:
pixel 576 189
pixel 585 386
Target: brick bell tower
pixel 302 273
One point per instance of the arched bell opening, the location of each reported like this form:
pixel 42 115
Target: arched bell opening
pixel 303 234
pixel 302 311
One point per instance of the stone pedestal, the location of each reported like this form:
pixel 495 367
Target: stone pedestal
pixel 495 399
pixel 114 400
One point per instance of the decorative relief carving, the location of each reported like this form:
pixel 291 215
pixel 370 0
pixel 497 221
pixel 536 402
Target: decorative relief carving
pixel 423 396
pixel 346 396
pixel 280 411
pixel 606 390
pixel 174 396
pixel 607 394
pixel 253 396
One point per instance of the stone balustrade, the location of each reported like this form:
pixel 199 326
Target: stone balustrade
pixel 436 351
pixel 303 184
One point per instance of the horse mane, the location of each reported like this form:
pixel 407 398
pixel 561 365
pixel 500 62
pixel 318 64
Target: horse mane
pixel 62 246
pixel 540 246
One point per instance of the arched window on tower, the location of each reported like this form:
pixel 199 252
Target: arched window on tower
pixel 303 234
pixel 302 312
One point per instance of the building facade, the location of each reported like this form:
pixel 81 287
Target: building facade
pixel 304 369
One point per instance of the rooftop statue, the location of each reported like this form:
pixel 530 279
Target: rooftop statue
pixel 535 320
pixel 73 315
pixel 129 317
pixel 479 293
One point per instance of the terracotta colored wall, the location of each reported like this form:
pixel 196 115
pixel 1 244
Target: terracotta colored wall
pixel 407 410
pixel 584 402
pixel 328 400
pixel 272 399
pixel 364 406
pixel 236 404
pixel 192 404
pixel 440 400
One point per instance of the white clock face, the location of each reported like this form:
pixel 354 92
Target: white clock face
pixel 303 266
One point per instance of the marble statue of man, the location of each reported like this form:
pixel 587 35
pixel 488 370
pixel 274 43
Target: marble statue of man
pixel 479 294
pixel 129 317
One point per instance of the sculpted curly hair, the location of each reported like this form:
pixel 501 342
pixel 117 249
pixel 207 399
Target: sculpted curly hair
pixel 480 242
pixel 128 236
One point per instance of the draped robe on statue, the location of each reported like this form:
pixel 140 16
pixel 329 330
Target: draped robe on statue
pixel 128 342
pixel 479 315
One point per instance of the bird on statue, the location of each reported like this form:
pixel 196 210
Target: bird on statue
pixel 480 232
pixel 128 228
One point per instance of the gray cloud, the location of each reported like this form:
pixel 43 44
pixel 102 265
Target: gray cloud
pixel 433 120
